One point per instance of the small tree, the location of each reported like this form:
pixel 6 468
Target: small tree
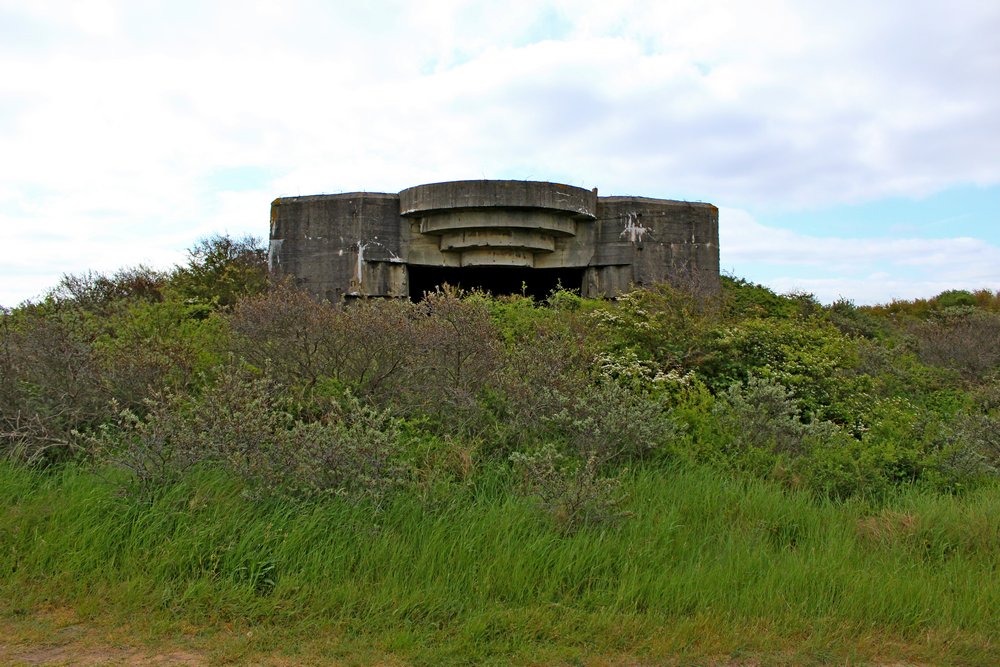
pixel 222 269
pixel 99 292
pixel 300 339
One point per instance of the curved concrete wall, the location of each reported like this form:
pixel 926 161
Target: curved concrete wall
pixel 435 197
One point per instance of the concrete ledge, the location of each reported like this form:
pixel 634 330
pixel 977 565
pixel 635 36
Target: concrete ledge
pixel 436 197
pixel 617 199
pixel 498 257
pixel 306 199
pixel 543 221
pixel 529 240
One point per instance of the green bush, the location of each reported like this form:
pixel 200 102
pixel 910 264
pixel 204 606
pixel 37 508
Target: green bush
pixel 742 299
pixel 954 298
pixel 100 293
pixel 573 492
pixel 963 339
pixel 609 423
pixel 665 324
pixel 537 373
pixel 221 270
pixel 818 364
pixel 760 414
pixel 243 424
pixel 855 322
pixel 51 384
pixel 150 348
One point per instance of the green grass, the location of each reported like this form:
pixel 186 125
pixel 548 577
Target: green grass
pixel 706 566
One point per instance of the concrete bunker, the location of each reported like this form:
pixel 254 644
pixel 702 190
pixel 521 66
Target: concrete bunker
pixel 500 236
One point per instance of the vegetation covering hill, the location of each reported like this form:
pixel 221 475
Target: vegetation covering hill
pixel 664 477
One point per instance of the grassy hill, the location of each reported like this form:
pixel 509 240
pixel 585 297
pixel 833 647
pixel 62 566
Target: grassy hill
pixel 208 461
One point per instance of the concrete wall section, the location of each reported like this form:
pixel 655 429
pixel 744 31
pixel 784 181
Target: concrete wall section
pixel 662 240
pixel 333 244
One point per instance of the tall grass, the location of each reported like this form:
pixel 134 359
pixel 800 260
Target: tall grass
pixel 705 565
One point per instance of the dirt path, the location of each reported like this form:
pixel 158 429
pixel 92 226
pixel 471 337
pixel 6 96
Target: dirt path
pixel 54 636
pixel 70 654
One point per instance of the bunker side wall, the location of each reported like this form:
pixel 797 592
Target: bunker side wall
pixel 640 241
pixel 337 245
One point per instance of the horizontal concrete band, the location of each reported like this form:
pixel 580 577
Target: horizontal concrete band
pixel 568 199
pixel 532 241
pixel 498 257
pixel 543 221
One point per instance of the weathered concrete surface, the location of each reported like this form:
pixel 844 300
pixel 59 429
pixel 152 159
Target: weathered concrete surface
pixel 498 194
pixel 337 245
pixel 363 244
pixel 660 240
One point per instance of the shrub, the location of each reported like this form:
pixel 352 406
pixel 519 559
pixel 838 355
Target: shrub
pixel 381 339
pixel 51 384
pixel 562 299
pixel 151 348
pixel 899 447
pixel 663 323
pixel 818 365
pixel 242 424
pixel 839 467
pixel 742 299
pixel 221 270
pixel 354 453
pixel 236 415
pixel 966 340
pixel 286 330
pixel 628 370
pixel 98 292
pixel 973 446
pixel 954 298
pixel 457 355
pixel 431 359
pixel 853 321
pixel 760 414
pixel 572 492
pixel 607 422
pixel 537 374
pixel 760 432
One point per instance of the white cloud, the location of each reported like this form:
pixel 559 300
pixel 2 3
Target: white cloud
pixel 115 115
pixel 865 270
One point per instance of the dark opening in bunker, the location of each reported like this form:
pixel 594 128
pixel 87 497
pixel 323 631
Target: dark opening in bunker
pixel 497 280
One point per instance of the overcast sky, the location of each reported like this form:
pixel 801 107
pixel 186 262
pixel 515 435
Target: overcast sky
pixel 853 148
